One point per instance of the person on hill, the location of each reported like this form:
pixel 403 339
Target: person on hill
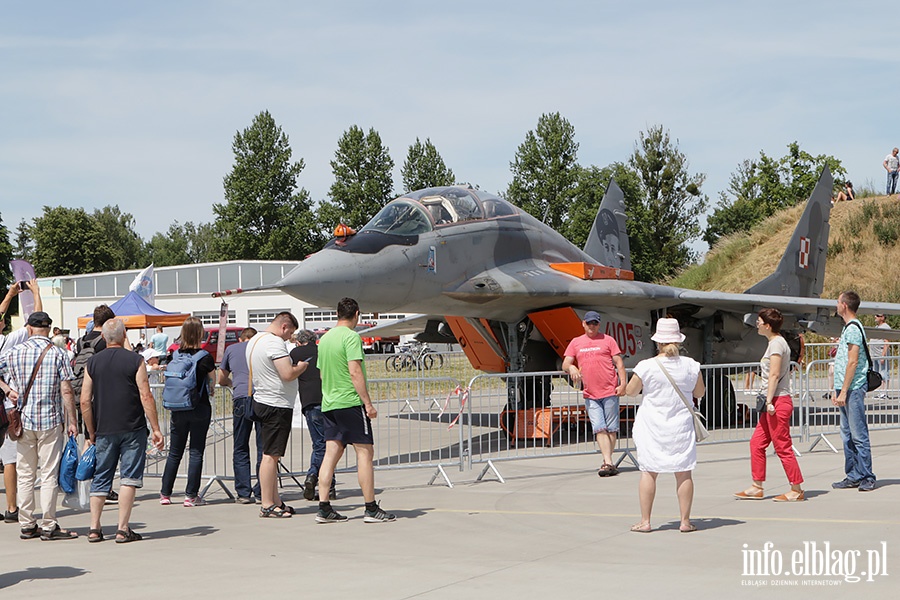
pixel 892 166
pixel 847 194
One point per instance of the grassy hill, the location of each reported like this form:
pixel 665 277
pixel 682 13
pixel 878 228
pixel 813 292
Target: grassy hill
pixel 863 252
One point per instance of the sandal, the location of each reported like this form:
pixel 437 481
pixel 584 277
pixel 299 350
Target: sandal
pixel 27 533
pixel 641 528
pixel 274 512
pixel 690 529
pixel 58 534
pixel 607 470
pixel 127 536
pixel 95 535
pixel 286 508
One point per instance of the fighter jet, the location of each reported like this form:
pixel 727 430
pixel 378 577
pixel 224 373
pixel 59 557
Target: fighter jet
pixel 512 291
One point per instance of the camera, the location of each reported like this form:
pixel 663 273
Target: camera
pixel 23 286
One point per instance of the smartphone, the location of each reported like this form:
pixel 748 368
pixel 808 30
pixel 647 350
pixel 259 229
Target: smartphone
pixel 23 286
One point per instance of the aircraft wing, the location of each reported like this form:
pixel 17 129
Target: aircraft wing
pixel 408 326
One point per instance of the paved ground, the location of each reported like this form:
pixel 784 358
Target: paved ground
pixel 553 530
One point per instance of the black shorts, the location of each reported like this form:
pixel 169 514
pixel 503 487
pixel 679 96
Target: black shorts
pixel 348 426
pixel 275 426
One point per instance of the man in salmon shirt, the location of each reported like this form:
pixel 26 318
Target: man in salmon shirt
pixel 596 360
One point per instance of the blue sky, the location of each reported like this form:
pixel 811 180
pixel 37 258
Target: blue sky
pixel 137 104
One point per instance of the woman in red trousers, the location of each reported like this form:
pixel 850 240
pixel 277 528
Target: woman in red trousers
pixel 774 426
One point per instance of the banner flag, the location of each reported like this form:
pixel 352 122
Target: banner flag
pixel 143 285
pixel 23 271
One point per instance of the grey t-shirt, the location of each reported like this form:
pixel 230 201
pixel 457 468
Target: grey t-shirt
pixel 778 346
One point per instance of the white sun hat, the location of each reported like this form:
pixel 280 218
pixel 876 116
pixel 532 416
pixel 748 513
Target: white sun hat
pixel 667 332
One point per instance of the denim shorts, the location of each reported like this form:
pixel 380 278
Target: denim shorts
pixel 604 414
pixel 128 451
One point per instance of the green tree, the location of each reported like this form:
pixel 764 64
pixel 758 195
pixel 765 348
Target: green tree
pixel 6 254
pixel 69 241
pixel 24 244
pixel 182 244
pixel 545 171
pixel 126 248
pixel 592 184
pixel 759 188
pixel 362 180
pixel 264 215
pixel 666 216
pixel 425 168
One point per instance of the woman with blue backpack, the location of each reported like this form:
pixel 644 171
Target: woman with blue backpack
pixel 186 393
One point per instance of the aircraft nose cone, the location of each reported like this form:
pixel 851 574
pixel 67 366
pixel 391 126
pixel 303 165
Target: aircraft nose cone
pixel 324 278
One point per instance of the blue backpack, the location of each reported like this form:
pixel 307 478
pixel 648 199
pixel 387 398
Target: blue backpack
pixel 180 391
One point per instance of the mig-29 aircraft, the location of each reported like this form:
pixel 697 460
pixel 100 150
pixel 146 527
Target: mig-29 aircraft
pixel 512 291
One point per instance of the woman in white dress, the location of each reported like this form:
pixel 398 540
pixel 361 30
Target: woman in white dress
pixel 664 428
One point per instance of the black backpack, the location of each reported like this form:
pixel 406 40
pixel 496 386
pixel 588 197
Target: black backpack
pixel 79 363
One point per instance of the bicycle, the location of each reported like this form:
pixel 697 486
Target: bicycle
pixel 416 356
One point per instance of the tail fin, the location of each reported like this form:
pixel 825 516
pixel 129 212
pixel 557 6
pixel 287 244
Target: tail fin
pixel 801 271
pixel 608 241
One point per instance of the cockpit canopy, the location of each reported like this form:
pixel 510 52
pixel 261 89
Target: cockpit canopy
pixel 420 211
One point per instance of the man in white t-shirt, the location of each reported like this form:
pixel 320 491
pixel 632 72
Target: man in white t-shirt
pixel 892 166
pixel 272 390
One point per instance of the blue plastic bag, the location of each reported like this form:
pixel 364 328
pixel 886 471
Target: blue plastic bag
pixel 87 464
pixel 68 466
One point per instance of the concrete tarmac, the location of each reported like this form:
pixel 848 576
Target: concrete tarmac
pixel 552 530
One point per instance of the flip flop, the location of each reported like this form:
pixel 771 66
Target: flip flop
pixel 691 529
pixel 639 528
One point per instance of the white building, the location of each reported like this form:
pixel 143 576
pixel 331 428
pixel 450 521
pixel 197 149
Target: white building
pixel 188 289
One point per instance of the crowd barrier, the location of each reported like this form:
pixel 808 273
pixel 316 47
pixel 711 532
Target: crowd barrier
pixel 437 422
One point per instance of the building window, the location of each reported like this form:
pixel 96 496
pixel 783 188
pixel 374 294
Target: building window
pixel 212 318
pixel 166 282
pixel 319 315
pixel 262 317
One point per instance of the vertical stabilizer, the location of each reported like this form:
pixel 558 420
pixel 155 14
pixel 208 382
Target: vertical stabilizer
pixel 608 241
pixel 801 271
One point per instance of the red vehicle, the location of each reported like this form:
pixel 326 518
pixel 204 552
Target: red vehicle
pixel 210 341
pixel 377 344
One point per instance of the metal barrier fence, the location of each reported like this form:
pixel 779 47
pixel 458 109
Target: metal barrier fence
pixel 822 350
pixel 412 430
pixel 823 418
pixel 436 422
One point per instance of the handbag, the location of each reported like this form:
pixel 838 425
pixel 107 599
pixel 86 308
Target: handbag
pixel 15 414
pixel 700 430
pixel 760 401
pixel 873 377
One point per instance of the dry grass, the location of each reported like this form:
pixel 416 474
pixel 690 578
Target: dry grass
pixel 864 252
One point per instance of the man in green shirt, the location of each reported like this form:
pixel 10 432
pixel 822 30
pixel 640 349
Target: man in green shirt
pixel 347 411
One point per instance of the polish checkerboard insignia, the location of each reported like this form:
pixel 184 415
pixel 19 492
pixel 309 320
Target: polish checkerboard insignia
pixel 804 253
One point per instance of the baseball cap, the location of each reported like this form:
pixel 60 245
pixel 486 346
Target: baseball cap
pixel 39 319
pixel 591 315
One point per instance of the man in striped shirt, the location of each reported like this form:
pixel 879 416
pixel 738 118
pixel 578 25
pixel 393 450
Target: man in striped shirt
pixel 43 422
